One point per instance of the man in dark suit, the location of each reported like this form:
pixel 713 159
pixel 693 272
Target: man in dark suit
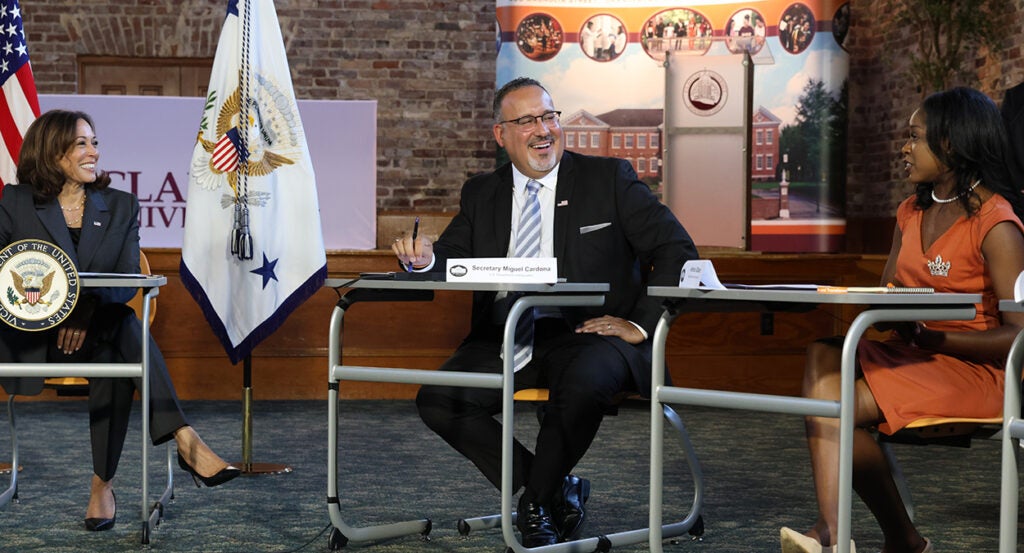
pixel 1013 116
pixel 603 225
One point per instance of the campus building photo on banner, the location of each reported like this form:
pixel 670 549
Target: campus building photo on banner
pixel 604 62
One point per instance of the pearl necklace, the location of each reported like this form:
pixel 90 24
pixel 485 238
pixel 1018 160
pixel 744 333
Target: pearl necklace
pixel 938 200
pixel 69 211
pixel 75 208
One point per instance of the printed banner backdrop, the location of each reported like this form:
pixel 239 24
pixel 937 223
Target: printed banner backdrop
pixel 146 146
pixel 602 61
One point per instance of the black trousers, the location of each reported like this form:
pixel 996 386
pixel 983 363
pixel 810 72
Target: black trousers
pixel 583 372
pixel 114 336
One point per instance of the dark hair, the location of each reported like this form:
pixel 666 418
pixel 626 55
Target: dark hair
pixel 966 133
pixel 514 84
pixel 48 138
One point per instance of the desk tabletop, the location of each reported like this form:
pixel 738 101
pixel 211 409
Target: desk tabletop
pixel 114 280
pixel 1011 306
pixel 400 284
pixel 812 296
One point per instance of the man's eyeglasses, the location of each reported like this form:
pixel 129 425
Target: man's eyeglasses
pixel 530 121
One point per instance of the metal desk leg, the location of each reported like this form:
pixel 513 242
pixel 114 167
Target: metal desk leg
pixel 693 519
pixel 598 543
pixel 797 406
pixel 860 324
pixel 342 532
pixel 1013 430
pixel 11 493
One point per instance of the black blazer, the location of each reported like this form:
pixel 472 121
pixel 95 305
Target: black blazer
pixel 1013 116
pixel 637 242
pixel 109 243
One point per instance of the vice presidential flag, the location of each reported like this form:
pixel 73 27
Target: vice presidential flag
pixel 19 105
pixel 253 249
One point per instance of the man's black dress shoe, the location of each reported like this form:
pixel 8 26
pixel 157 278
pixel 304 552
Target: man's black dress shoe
pixel 534 523
pixel 567 511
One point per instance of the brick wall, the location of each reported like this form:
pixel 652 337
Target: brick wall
pixel 430 66
pixel 882 98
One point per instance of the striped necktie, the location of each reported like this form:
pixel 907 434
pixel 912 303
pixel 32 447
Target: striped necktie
pixel 527 245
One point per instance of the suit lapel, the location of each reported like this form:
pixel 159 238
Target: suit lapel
pixel 95 222
pixel 563 193
pixel 53 220
pixel 503 211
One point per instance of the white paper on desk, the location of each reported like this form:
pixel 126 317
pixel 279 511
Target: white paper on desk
pixel 699 273
pixel 807 287
pixel 531 270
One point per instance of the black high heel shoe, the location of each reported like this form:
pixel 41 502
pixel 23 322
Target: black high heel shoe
pixel 102 524
pixel 227 473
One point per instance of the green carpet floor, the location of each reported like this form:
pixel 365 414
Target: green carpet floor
pixel 756 472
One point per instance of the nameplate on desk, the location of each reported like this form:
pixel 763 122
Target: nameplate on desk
pixel 699 273
pixel 532 270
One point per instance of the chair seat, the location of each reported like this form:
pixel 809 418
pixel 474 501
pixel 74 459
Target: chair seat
pixel 953 431
pixel 939 421
pixel 531 394
pixel 68 386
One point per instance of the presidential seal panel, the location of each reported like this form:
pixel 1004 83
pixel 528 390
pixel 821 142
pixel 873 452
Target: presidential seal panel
pixel 39 285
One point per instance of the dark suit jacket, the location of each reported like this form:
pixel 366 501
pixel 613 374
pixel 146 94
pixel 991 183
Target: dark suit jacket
pixel 109 243
pixel 1013 116
pixel 643 243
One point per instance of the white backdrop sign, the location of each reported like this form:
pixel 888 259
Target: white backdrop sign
pixel 146 146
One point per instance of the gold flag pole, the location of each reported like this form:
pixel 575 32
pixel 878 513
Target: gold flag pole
pixel 247 465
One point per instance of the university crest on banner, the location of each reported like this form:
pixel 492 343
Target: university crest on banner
pixel 39 285
pixel 253 247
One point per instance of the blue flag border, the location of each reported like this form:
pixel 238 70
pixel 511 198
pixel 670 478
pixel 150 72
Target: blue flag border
pixel 270 325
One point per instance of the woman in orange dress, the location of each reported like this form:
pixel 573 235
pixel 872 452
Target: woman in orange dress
pixel 960 232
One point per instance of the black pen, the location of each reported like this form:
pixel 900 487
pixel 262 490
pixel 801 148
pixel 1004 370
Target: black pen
pixel 415 231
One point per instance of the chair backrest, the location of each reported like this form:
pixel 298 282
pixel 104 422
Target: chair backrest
pixel 136 301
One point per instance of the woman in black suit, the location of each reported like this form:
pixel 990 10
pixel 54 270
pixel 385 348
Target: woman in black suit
pixel 63 198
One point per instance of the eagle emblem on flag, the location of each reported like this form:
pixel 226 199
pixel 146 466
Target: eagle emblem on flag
pixel 272 139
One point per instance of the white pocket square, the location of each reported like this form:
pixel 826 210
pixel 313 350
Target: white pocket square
pixel 592 228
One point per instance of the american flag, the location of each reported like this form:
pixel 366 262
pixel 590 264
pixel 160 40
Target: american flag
pixel 19 103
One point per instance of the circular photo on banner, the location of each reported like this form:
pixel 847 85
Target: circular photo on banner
pixel 539 36
pixel 603 37
pixel 841 25
pixel 679 30
pixel 39 285
pixel 745 31
pixel 796 28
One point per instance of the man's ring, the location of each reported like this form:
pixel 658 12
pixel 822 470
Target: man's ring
pixel 76 333
pixel 609 326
